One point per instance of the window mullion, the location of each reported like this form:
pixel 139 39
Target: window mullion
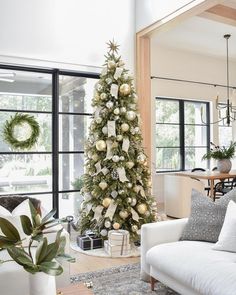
pixel 181 135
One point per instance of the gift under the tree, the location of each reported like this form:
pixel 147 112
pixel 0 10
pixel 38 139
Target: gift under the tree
pixel 89 242
pixel 118 237
pixel 116 250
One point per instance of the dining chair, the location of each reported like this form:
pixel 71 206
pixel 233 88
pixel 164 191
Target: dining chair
pixel 223 187
pixel 207 184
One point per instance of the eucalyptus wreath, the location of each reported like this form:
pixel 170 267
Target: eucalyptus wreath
pixel 17 120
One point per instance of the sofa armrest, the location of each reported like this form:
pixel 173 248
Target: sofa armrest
pixel 153 234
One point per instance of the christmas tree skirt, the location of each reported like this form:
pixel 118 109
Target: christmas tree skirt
pixel 135 251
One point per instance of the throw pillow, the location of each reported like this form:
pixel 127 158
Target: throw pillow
pixel 227 237
pixel 206 218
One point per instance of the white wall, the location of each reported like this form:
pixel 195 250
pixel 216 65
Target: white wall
pixel 66 31
pixel 172 63
pixel 151 11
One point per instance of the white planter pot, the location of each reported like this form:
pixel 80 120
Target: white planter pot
pixel 224 166
pixel 42 284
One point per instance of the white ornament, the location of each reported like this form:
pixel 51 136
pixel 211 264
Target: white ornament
pixel 119 137
pixel 98 120
pixel 108 81
pixel 95 157
pixel 136 129
pixel 101 145
pixel 107 224
pixel 129 200
pixel 109 104
pixel 115 158
pixel 104 130
pixel 111 64
pixel 103 232
pixel 123 110
pixel 134 228
pixel 141 158
pixel 116 111
pixel 133 202
pixel 99 87
pixel 114 194
pixel 103 185
pixel 120 192
pixel 129 185
pixel 130 115
pixel 122 158
pixel 124 127
pixel 103 96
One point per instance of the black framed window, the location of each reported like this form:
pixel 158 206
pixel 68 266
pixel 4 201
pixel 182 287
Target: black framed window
pixel 61 103
pixel 181 137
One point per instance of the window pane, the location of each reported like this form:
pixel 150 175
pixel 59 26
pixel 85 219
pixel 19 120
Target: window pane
pixel 192 112
pixel 71 166
pixel 225 135
pixel 195 135
pixel 76 94
pixel 69 204
pixel 167 111
pixel 72 130
pixel 167 135
pixel 193 158
pixel 167 159
pixel 23 90
pixel 44 142
pixel 25 173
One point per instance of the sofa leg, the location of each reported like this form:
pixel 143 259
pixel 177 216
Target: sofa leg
pixel 152 281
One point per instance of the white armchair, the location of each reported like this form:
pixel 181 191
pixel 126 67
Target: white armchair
pixel 177 194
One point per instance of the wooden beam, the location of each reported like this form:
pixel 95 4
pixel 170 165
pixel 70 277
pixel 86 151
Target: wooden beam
pixel 144 90
pixel 221 13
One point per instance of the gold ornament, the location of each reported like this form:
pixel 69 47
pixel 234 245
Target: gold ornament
pixel 136 188
pixel 101 145
pixel 111 64
pixel 142 208
pixel 95 157
pixel 130 164
pixel 106 202
pixel 119 137
pixel 124 214
pixel 134 228
pixel 124 127
pixel 130 115
pixel 116 225
pixel 103 185
pixel 125 89
pixel 149 183
pixel 103 96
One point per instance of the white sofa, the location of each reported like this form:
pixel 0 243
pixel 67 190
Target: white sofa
pixel 188 267
pixel 14 279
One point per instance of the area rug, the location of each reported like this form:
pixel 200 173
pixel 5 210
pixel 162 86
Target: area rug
pixel 122 280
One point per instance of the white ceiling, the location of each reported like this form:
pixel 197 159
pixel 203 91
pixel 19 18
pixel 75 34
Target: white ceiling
pixel 199 35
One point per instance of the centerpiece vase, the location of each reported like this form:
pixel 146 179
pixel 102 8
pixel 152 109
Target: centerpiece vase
pixel 41 283
pixel 224 165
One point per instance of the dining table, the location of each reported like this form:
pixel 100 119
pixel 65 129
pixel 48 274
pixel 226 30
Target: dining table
pixel 212 176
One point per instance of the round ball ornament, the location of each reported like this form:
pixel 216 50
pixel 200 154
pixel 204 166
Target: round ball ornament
pixel 104 130
pixel 119 137
pixel 136 188
pixel 107 224
pixel 101 145
pixel 106 202
pixel 134 228
pixel 124 214
pixel 109 104
pixel 103 232
pixel 124 127
pixel 115 158
pixel 122 158
pixel 123 110
pixel 103 96
pixel 142 208
pixel 103 185
pixel 21 131
pixel 129 200
pixel 111 64
pixel 136 129
pixel 116 225
pixel 116 111
pixel 125 89
pixel 133 202
pixel 129 184
pixel 129 164
pixel 130 115
pixel 95 157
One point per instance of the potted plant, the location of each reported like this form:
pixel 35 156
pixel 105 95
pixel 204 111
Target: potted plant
pixel 223 155
pixel 41 264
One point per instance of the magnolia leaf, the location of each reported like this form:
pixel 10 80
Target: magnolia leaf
pixel 26 225
pixel 9 230
pixel 41 251
pixel 49 215
pixel 66 257
pixel 51 252
pixel 32 270
pixel 20 256
pixel 5 242
pixel 52 268
pixel 62 244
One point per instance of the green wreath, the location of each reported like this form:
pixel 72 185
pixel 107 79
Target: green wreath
pixel 18 120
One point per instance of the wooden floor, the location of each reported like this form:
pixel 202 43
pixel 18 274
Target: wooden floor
pixel 86 263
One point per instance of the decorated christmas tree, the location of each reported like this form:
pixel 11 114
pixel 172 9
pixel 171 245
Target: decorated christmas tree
pixel 116 183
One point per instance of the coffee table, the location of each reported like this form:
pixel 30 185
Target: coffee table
pixel 75 289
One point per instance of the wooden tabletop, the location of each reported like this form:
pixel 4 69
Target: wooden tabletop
pixel 207 174
pixel 75 289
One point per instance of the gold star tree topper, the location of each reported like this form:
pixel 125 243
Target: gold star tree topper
pixel 113 46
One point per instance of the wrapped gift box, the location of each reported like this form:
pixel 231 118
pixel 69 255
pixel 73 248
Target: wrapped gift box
pixel 89 242
pixel 116 250
pixel 118 237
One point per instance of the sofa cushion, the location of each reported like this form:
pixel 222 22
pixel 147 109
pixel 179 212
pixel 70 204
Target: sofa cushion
pixel 196 265
pixel 206 218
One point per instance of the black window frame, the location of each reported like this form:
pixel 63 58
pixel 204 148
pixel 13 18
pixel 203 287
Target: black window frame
pixel 182 125
pixel 56 73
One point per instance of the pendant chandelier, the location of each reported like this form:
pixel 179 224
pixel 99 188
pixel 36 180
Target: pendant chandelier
pixel 226 110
